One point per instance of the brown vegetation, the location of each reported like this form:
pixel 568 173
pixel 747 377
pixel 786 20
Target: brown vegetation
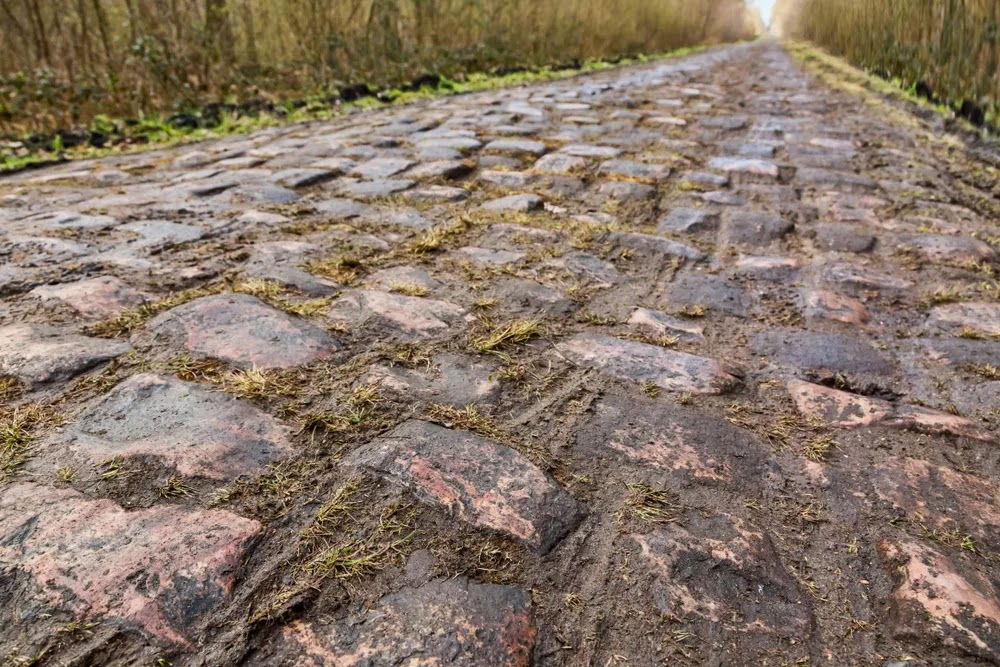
pixel 945 49
pixel 79 59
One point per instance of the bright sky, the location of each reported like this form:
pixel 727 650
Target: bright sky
pixel 766 7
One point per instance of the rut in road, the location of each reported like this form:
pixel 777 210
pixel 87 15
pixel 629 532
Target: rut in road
pixel 692 362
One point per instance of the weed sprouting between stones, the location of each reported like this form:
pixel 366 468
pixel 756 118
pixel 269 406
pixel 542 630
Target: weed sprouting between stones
pixel 130 319
pixel 491 337
pixel 19 428
pixel 649 505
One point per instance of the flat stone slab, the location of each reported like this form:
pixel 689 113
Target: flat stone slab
pixel 982 317
pixel 303 177
pixel 386 279
pixel 947 248
pixel 238 329
pixel 661 324
pixel 826 305
pixel 844 181
pixel 752 228
pixel 36 354
pixel 941 597
pixel 776 269
pixel 508 179
pixel 488 256
pixel 654 245
pixel 516 147
pixel 688 221
pixel 940 497
pixel 714 292
pixel 381 167
pixel 689 444
pixel 820 351
pixel 629 169
pixel 844 237
pixel 519 203
pixel 201 433
pixel 481 482
pixel 411 318
pixel 526 296
pixel 382 187
pixel 590 151
pixel 959 351
pixel 559 163
pixel 587 268
pixel 717 569
pixel 445 622
pixel 862 278
pixel 842 409
pixel 451 379
pixel 97 298
pixel 640 362
pixel 445 169
pixel 159 569
pixel 746 169
pixel 437 193
pixel 627 191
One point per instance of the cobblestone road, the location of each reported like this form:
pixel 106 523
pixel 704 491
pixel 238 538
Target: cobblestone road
pixel 693 362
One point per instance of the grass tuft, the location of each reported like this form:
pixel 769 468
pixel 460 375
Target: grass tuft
pixel 493 337
pixel 130 319
pixel 694 311
pixel 258 383
pixel 174 487
pixel 18 429
pixel 408 289
pixel 818 448
pixel 985 371
pixel 651 505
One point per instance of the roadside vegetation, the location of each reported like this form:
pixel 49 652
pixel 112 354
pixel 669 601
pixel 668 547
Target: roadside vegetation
pixel 947 51
pixel 100 73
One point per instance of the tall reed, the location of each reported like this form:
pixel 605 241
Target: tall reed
pixel 949 48
pixel 69 60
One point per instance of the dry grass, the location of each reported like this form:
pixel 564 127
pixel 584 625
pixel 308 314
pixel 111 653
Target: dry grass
pixel 258 383
pixel 18 429
pixel 331 514
pixel 360 411
pixel 76 60
pixel 985 371
pixel 650 505
pixel 942 295
pixel 130 319
pixel 408 289
pixel 818 448
pixel 694 311
pixel 468 418
pixel 471 419
pixel 174 487
pixel 10 388
pixel 439 237
pixel 190 369
pixel 494 337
